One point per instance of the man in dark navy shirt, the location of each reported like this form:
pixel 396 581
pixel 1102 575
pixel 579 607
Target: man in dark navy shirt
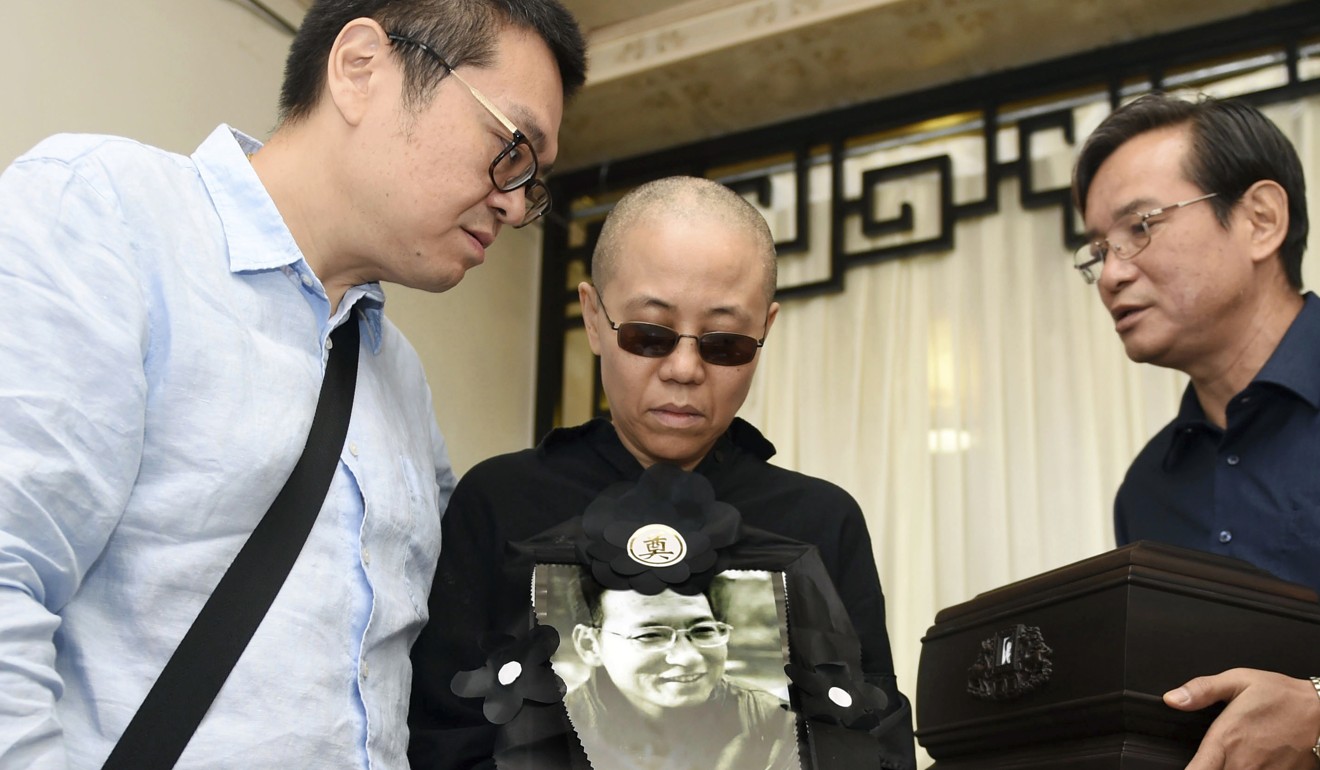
pixel 1196 213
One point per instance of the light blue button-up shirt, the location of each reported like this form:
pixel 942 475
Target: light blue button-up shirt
pixel 161 352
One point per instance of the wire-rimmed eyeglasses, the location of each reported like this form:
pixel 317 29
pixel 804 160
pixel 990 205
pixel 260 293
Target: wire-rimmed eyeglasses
pixel 710 633
pixel 655 341
pixel 513 167
pixel 1125 239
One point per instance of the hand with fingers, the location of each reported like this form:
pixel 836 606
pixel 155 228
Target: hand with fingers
pixel 1271 720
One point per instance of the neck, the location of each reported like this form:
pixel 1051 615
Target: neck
pixel 646 460
pixel 1219 380
pixel 293 168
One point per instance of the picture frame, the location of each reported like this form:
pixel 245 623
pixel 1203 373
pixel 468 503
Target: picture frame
pixel 835 712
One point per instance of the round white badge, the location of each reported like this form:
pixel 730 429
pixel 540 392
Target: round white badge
pixel 510 672
pixel 656 545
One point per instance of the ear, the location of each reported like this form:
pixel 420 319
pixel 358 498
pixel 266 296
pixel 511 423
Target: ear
pixel 587 302
pixel 1265 206
pixel 586 640
pixel 770 317
pixel 355 69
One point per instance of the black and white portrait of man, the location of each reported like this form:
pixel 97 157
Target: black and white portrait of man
pixel 673 681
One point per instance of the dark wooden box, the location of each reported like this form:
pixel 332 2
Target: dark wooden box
pixel 1067 669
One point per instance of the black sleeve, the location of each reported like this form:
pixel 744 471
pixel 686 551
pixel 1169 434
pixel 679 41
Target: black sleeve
pixel 447 732
pixel 858 584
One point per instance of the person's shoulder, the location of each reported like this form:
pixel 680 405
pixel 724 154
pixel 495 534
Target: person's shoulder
pixel 501 469
pixel 824 492
pixel 492 489
pixel 757 472
pixel 1156 448
pixel 538 487
pixel 106 180
pixel 561 441
pixel 92 154
pixel 559 446
pixel 395 345
pixel 762 701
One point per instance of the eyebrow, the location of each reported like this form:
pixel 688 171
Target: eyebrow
pixel 1134 206
pixel 655 303
pixel 1131 207
pixel 526 122
pixel 678 625
pixel 674 621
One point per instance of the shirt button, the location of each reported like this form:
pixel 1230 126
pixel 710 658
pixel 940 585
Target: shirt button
pixel 366 557
pixel 1233 459
pixel 352 448
pixel 1225 536
pixel 365 670
pixel 306 279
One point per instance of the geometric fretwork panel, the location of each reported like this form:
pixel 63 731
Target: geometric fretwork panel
pixel 891 179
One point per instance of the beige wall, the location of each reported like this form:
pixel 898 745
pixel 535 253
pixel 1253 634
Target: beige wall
pixel 162 71
pixel 478 343
pixel 167 72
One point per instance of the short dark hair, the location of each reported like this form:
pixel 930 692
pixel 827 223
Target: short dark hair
pixel 1233 146
pixel 463 31
pixel 717 595
pixel 682 198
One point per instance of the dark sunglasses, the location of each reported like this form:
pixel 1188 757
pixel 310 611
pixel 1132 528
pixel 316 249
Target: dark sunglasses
pixel 656 341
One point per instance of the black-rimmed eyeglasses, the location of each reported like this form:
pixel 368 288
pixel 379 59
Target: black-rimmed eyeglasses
pixel 711 633
pixel 1125 239
pixel 516 165
pixel 655 341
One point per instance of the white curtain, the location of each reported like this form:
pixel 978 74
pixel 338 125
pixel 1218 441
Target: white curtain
pixel 976 402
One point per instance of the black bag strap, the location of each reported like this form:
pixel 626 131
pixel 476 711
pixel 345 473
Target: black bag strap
pixel 183 693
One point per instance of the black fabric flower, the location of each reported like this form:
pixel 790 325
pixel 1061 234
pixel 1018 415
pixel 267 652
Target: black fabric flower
pixel 837 694
pixel 517 670
pixel 664 531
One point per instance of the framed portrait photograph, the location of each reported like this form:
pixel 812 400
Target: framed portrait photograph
pixel 673 681
pixel 657 631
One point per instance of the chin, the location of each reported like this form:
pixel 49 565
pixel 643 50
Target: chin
pixel 1137 355
pixel 685 458
pixel 436 284
pixel 1148 354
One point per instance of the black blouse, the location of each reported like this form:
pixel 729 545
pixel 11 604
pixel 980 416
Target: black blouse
pixel 518 496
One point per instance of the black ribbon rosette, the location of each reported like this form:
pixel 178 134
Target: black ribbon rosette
pixel 836 693
pixel 664 531
pixel 516 671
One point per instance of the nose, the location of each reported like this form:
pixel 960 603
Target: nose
pixel 510 207
pixel 684 364
pixel 684 652
pixel 1116 273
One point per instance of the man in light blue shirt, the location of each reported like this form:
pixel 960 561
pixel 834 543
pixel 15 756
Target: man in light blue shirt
pixel 166 333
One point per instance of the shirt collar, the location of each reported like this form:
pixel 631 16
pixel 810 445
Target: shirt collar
pixel 1293 366
pixel 255 233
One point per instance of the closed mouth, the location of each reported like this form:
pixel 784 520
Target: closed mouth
pixel 672 409
pixel 485 239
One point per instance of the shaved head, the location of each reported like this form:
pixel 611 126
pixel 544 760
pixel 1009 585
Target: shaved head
pixel 685 199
